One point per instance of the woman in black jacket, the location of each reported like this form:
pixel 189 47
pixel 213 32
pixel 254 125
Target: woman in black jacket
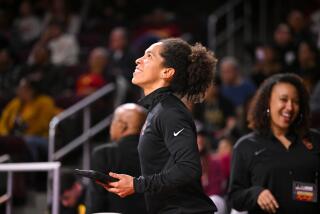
pixel 275 169
pixel 169 71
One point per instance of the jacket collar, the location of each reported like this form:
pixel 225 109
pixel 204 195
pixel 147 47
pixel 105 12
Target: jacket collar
pixel 291 135
pixel 154 97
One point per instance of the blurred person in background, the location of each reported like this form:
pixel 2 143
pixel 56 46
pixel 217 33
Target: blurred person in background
pixel 315 107
pixel 95 77
pixel 39 67
pixel 215 168
pixel 72 194
pixel 28 116
pixel 26 27
pixel 60 10
pixel 234 85
pixel 64 47
pixel 275 168
pixel 299 27
pixel 216 113
pixel 120 156
pixel 266 64
pixel 158 22
pixel 121 57
pixel 121 63
pixel 9 74
pixel 285 50
pixel 307 65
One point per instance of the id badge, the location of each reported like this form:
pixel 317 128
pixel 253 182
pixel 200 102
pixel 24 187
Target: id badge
pixel 302 191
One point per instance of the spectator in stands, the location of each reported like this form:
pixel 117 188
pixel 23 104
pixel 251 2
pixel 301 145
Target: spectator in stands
pixel 315 107
pixel 266 64
pixel 315 24
pixel 94 78
pixel 216 113
pixel 298 25
pixel 121 57
pixel 9 74
pixel 160 23
pixel 284 46
pixel 315 98
pixel 64 47
pixel 72 194
pixel 122 62
pixel 28 116
pixel 307 64
pixel 224 155
pixel 27 27
pixel 39 67
pixel 234 86
pixel 60 11
pixel 121 156
pixel 275 168
pixel 215 168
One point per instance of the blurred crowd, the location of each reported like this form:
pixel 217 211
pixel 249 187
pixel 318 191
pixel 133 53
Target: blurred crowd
pixel 52 55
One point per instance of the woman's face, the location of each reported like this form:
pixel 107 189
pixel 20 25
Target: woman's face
pixel 24 91
pixel 305 53
pixel 284 106
pixel 147 74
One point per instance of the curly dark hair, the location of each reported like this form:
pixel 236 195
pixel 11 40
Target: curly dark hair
pixel 258 117
pixel 194 67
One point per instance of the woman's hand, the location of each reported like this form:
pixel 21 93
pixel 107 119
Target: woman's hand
pixel 267 202
pixel 123 187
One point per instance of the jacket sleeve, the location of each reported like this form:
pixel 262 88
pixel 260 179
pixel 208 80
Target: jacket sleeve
pixel 8 116
pixel 242 194
pixel 183 166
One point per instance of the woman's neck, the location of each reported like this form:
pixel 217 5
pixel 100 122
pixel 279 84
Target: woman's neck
pixel 149 90
pixel 186 102
pixel 278 132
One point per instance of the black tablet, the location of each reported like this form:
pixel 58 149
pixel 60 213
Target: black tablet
pixel 95 175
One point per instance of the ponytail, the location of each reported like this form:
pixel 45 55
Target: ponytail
pixel 200 72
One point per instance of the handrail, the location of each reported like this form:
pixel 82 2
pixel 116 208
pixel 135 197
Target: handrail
pixel 233 24
pixel 77 142
pixel 87 130
pixel 5 197
pixel 31 167
pixel 81 104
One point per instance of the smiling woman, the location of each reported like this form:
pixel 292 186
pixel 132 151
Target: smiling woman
pixel 169 71
pixel 275 168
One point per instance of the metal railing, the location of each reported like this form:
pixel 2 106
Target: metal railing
pixel 31 167
pixel 5 197
pixel 233 25
pixel 87 132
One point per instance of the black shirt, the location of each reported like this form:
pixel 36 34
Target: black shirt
pixel 120 157
pixel 261 162
pixel 169 158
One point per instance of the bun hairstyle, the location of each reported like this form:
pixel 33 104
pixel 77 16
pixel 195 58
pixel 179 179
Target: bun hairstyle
pixel 194 67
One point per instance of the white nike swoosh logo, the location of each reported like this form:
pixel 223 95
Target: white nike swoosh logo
pixel 177 133
pixel 259 151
